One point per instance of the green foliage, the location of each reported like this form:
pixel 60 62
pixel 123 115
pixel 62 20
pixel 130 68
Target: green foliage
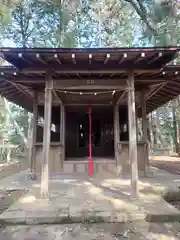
pixel 6 8
pixel 20 117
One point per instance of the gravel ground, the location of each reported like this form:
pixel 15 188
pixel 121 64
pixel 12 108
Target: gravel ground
pixel 176 204
pixel 136 231
pixel 7 197
pixel 169 166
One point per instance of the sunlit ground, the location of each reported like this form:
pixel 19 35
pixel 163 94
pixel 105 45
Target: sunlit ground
pixel 165 158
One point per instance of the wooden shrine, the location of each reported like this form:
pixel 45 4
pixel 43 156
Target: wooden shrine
pixel 86 103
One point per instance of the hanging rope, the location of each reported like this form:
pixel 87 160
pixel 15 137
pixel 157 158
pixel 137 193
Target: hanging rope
pixel 94 93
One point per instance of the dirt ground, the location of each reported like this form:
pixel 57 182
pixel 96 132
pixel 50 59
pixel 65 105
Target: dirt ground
pixel 169 164
pixel 136 231
pixel 13 167
pixel 7 197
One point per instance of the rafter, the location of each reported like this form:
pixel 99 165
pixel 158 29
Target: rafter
pixel 157 56
pixel 107 58
pixel 164 94
pixel 20 55
pixel 5 90
pixel 171 90
pixel 56 56
pixel 19 88
pixel 155 91
pixel 151 104
pixel 40 58
pixel 122 58
pixel 74 58
pixel 90 58
pixel 139 58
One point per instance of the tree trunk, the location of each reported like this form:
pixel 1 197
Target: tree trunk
pixel 175 142
pixel 178 119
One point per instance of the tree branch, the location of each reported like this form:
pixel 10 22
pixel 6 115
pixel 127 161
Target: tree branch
pixel 141 11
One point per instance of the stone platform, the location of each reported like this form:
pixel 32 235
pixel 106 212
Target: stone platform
pixel 74 200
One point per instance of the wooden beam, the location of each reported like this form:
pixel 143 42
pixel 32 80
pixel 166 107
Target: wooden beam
pixel 121 97
pixel 101 88
pixel 25 80
pixel 124 56
pixel 132 136
pixel 56 95
pixel 87 104
pixel 40 80
pixel 121 59
pixel 88 84
pixel 8 91
pixel 139 58
pixel 155 58
pixel 155 91
pixel 144 131
pixel 90 58
pixel 107 58
pixel 167 92
pixel 40 58
pixel 62 134
pixel 155 85
pixel 74 58
pixel 149 80
pixel 19 88
pixel 33 137
pixel 46 136
pixel 56 56
pixel 162 100
pixel 158 102
pixel 78 75
pixel 172 90
pixel 98 68
pixel 175 82
pixel 20 55
pixel 84 69
pixel 151 105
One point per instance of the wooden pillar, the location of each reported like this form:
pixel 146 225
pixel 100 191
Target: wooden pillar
pixel 90 168
pixel 116 135
pixel 132 135
pixel 144 119
pixel 46 136
pixel 144 131
pixel 137 126
pixel 62 134
pixel 33 137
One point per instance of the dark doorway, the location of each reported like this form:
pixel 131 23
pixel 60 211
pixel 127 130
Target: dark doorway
pixel 83 132
pixel 77 132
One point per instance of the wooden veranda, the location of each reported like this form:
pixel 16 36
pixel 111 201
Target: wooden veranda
pixel 117 84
